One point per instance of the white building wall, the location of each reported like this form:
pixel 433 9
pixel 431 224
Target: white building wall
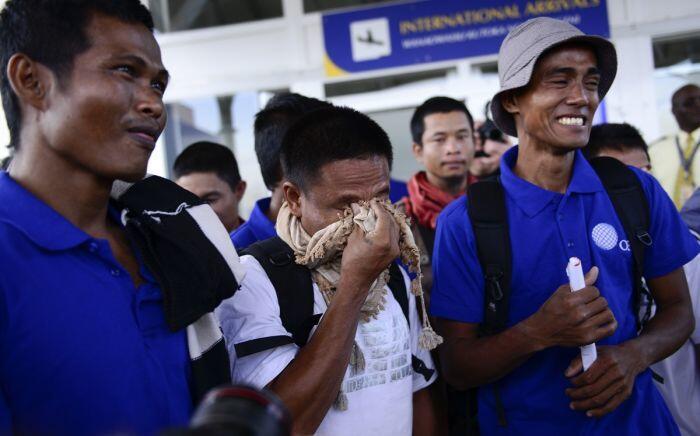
pixel 288 53
pixel 635 96
pixel 632 97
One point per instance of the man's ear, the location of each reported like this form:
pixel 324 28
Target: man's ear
pixel 292 195
pixel 240 189
pixel 674 110
pixel 417 152
pixel 29 80
pixel 509 100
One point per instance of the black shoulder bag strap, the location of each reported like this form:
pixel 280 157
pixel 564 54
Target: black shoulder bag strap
pixel 294 289
pixel 397 285
pixel 627 196
pixel 489 220
pixel 487 213
pixel 398 289
pixel 428 236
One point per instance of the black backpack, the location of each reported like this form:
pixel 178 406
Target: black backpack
pixel 292 283
pixel 488 216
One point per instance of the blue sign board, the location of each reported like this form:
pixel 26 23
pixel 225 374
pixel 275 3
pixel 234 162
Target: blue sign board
pixel 436 30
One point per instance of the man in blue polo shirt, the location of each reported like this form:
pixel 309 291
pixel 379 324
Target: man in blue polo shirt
pixel 86 346
pixel 552 79
pixel 271 124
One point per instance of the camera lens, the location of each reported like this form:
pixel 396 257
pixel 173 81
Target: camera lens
pixel 241 410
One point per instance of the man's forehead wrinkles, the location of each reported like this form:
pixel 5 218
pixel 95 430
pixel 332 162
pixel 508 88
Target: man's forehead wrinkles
pixel 113 35
pixel 352 172
pixel 359 181
pixel 447 126
pixel 351 182
pixel 565 69
pixel 134 53
pixel 135 56
pixel 567 55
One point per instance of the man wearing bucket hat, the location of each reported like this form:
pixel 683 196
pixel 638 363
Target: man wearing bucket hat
pixel 528 368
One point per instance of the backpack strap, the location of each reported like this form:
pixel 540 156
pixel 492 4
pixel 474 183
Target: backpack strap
pixel 428 236
pixel 294 289
pixel 397 285
pixel 398 289
pixel 487 213
pixel 627 196
pixel 489 220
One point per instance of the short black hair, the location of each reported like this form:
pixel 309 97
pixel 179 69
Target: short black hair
pixel 208 157
pixel 53 33
pixel 271 123
pixel 328 135
pixel 612 136
pixel 680 91
pixel 435 105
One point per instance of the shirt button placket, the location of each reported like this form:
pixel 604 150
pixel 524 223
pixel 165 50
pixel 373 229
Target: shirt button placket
pixel 565 225
pixel 93 247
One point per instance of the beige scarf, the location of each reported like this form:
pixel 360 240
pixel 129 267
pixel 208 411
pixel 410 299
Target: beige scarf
pixel 322 254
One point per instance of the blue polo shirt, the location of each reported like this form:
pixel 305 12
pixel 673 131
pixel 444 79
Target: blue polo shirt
pixel 397 190
pixel 82 351
pixel 257 228
pixel 546 229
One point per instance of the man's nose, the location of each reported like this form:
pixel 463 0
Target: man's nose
pixel 150 103
pixel 453 145
pixel 578 95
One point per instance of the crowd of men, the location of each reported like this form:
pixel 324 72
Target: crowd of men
pixel 124 298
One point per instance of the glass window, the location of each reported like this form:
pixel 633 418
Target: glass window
pixel 676 63
pixel 395 123
pixel 488 68
pixel 227 120
pixel 336 89
pixel 324 5
pixel 174 15
pixel 672 51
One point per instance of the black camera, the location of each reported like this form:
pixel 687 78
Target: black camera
pixel 488 131
pixel 238 410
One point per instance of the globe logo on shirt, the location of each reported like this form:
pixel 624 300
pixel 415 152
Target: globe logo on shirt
pixel 604 236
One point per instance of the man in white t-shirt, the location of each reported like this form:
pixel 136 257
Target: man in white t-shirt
pixel 681 370
pixel 360 370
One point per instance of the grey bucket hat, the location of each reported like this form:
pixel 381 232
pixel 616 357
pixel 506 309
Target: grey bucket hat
pixel 525 44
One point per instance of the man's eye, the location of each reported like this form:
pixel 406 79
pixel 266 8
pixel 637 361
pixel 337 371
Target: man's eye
pixel 159 86
pixel 128 69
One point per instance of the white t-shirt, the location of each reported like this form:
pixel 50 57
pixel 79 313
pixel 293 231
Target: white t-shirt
pixel 681 387
pixel 380 398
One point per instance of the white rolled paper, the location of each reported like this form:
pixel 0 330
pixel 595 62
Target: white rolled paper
pixel 577 282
